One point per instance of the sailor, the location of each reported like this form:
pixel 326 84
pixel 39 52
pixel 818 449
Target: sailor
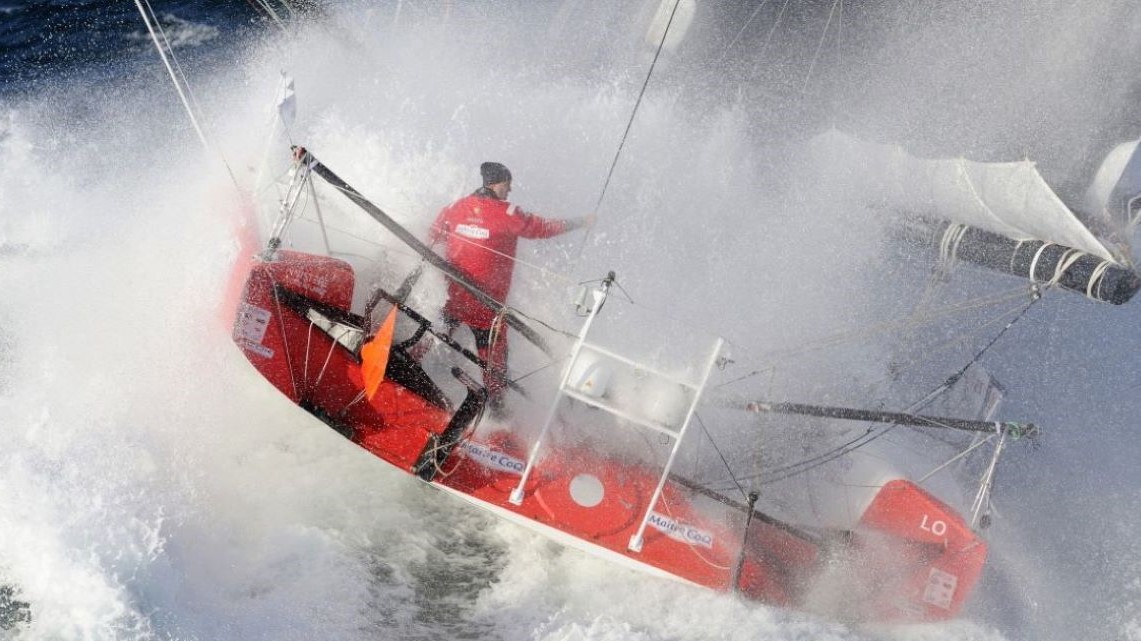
pixel 481 232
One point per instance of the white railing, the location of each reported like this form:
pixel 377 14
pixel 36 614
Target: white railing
pixel 672 424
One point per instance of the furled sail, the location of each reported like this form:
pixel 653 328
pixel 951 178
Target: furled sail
pixel 1010 198
pixel 999 215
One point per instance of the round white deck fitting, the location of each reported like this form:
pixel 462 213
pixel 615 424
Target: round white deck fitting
pixel 586 490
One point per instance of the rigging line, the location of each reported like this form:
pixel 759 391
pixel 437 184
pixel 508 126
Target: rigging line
pixel 725 51
pixel 968 335
pixel 768 39
pixel 770 368
pixel 839 61
pixel 513 310
pixel 947 346
pixel 954 458
pixel 174 59
pixel 274 121
pixel 823 457
pixel 274 182
pixel 664 500
pixel 930 317
pixel 840 37
pixel 819 47
pixel 909 326
pixel 312 195
pixel 566 279
pixel 871 435
pixel 367 241
pixel 281 327
pixel 951 343
pixel 724 462
pixel 265 7
pixel 938 277
pixel 914 323
pixel 856 443
pixel 951 380
pixel 994 340
pixel 808 465
pixel 328 357
pixel 986 483
pixel 887 326
pixel 844 338
pixel 305 368
pixel 183 93
pixel 540 368
pixel 935 281
pixel 630 123
pixel 830 454
pixel 905 365
pixel 170 69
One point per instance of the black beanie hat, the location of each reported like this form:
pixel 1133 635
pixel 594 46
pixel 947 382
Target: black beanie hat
pixel 494 173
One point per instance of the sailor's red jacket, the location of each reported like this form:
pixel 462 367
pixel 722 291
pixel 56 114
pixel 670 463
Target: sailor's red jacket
pixel 482 233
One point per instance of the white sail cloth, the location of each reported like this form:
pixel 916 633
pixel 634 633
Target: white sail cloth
pixel 1116 184
pixel 1009 198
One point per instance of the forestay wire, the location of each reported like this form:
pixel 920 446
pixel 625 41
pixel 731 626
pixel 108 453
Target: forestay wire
pixel 154 28
pixel 629 124
pixel 181 85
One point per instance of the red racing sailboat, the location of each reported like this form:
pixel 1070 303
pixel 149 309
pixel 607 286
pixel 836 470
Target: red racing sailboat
pixel 607 466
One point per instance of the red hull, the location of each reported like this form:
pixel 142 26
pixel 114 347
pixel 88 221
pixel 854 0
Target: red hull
pixel 911 559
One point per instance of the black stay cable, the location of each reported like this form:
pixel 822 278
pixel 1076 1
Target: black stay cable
pixel 630 123
pixel 800 467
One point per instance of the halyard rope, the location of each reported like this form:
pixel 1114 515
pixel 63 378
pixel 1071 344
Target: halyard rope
pixel 630 122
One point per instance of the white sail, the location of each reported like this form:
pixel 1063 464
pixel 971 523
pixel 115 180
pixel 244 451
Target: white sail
pixel 1009 198
pixel 1116 184
pixel 677 15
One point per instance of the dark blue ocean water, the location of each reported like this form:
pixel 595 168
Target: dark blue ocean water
pixel 43 43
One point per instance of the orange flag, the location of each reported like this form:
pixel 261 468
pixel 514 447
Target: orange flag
pixel 374 355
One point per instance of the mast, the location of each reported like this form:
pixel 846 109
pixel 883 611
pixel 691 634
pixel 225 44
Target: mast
pixel 1039 261
pixel 999 215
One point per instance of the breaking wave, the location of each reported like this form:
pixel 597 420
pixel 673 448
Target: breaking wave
pixel 154 487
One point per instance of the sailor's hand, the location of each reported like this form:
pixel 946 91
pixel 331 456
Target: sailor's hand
pixel 298 153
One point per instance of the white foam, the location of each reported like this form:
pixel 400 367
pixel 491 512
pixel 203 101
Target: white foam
pixel 153 486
